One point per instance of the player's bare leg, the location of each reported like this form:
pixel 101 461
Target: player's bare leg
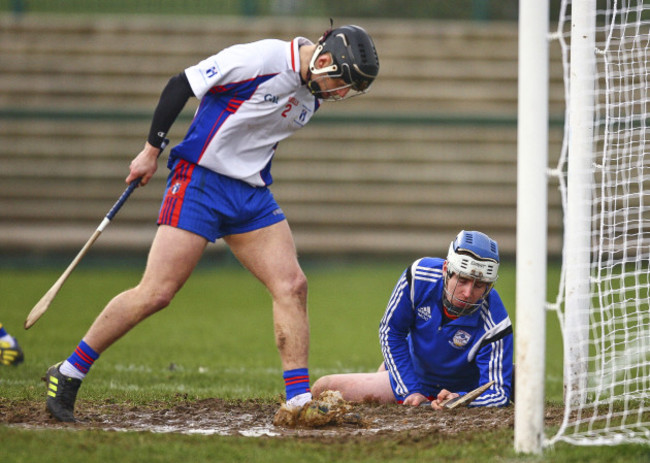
pixel 357 387
pixel 173 256
pixel 270 254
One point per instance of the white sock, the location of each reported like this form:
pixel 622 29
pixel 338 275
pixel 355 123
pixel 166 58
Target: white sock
pixel 68 369
pixel 299 400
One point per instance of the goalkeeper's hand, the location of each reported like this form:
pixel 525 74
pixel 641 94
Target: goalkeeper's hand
pixel 443 397
pixel 10 355
pixel 415 399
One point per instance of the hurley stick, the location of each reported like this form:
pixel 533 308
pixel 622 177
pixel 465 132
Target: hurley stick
pixel 42 305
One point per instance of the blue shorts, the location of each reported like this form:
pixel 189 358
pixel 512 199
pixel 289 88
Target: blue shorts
pixel 212 205
pixel 428 392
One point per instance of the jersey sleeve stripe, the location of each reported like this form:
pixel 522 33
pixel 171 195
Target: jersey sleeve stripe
pixel 498 397
pixel 384 330
pixel 294 51
pixel 491 331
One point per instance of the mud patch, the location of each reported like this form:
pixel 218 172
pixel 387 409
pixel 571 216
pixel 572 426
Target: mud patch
pixel 255 418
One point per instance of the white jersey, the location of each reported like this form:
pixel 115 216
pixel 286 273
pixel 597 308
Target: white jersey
pixel 252 97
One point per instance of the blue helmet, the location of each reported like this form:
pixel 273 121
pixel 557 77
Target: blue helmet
pixel 472 255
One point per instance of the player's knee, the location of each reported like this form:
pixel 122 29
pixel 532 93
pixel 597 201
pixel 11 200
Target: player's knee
pixel 321 385
pixel 294 289
pixel 154 299
pixel 300 286
pixel 161 300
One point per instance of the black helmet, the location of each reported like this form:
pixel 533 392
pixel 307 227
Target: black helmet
pixel 354 57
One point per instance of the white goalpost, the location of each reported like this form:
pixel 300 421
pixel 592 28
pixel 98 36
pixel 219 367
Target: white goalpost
pixel 532 148
pixel 603 303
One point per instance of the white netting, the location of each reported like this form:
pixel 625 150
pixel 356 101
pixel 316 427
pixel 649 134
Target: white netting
pixel 615 395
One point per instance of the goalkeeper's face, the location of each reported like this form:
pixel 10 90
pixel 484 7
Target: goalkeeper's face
pixel 463 294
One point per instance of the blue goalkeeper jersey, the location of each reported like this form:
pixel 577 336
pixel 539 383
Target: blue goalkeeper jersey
pixel 426 352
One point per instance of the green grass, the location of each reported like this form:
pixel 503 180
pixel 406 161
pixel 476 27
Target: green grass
pixel 145 447
pixel 216 340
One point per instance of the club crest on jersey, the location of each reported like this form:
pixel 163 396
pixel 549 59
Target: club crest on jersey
pixel 424 313
pixel 460 339
pixel 303 117
pixel 211 72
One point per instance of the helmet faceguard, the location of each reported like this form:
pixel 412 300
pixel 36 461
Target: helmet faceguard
pixel 472 256
pixel 354 60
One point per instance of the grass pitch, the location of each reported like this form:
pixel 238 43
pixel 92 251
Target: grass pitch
pixel 216 341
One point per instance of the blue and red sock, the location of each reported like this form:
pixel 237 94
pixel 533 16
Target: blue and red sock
pixel 296 382
pixel 81 360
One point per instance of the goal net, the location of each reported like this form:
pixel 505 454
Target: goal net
pixel 606 331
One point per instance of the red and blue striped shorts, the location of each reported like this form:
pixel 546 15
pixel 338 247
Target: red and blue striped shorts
pixel 212 205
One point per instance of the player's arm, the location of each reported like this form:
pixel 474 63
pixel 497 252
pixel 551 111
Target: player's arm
pixel 495 363
pixel 196 81
pixel 171 103
pixel 494 359
pixel 393 331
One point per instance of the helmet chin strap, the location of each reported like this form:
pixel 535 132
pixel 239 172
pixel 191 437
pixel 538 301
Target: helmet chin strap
pixel 313 86
pixel 312 70
pixel 446 303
